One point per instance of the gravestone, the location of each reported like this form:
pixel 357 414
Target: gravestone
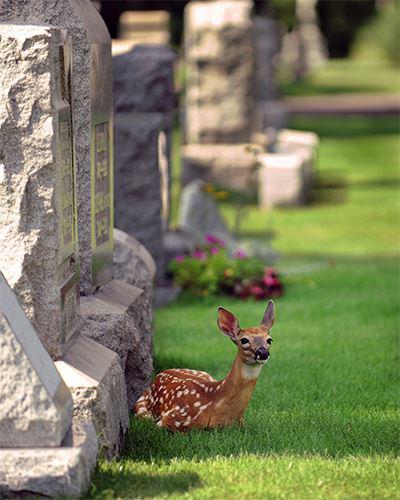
pixel 269 110
pixel 282 180
pixel 144 113
pixel 266 47
pixel 199 215
pixel 134 264
pixel 91 94
pixel 35 404
pixel 232 166
pixel 145 26
pixel 219 57
pixel 62 471
pixel 94 376
pixel 37 181
pixel 92 123
pixel 41 452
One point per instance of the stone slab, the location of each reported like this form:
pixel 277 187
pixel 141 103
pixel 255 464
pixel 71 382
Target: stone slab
pixel 145 26
pixel 309 156
pixel 54 472
pixel 232 166
pixel 144 80
pixel 119 316
pixel 138 206
pixel 297 138
pixel 37 178
pixel 282 180
pixel 107 317
pixel 94 376
pixel 134 264
pixel 199 215
pixel 219 71
pixel 267 33
pixel 92 119
pixel 35 404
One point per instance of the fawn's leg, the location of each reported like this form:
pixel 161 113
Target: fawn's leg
pixel 141 409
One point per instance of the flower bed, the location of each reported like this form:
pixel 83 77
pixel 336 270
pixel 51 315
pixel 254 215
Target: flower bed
pixel 210 270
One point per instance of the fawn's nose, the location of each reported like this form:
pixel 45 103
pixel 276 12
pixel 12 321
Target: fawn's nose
pixel 262 353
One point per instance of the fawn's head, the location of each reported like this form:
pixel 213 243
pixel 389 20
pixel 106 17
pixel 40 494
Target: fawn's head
pixel 253 343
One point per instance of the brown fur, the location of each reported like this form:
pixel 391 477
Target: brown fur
pixel 181 399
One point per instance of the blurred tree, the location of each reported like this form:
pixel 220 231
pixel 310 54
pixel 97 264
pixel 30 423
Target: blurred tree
pixel 340 21
pixel 383 31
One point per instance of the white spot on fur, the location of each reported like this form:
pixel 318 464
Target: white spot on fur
pixel 197 403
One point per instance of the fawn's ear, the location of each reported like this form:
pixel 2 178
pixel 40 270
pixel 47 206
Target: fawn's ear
pixel 228 323
pixel 269 315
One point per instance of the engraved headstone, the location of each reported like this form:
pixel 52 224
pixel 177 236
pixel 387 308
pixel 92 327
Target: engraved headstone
pixel 35 404
pixel 92 123
pixel 37 180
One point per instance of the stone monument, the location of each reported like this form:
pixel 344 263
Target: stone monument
pixel 219 71
pixel 37 187
pixel 40 451
pixel 89 88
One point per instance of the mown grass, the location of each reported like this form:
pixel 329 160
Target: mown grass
pixel 324 421
pixel 366 73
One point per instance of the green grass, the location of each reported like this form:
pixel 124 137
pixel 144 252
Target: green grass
pixel 361 74
pixel 324 421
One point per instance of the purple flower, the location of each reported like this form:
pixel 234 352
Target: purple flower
pixel 240 254
pixel 180 258
pixel 210 238
pixel 199 255
pixel 214 250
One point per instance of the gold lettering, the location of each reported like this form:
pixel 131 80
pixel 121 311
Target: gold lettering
pixel 102 169
pixel 102 227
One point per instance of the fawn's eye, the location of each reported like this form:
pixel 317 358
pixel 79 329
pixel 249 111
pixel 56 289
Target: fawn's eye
pixel 244 341
pixel 269 341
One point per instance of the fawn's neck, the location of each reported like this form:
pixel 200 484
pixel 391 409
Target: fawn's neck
pixel 240 382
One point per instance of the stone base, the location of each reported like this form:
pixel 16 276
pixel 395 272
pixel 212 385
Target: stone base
pixel 94 376
pixel 105 317
pixel 134 264
pixel 54 472
pixel 309 158
pixel 233 166
pixel 282 180
pixel 298 138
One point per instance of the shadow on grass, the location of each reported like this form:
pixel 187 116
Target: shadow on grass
pixel 116 482
pixel 350 127
pixel 308 88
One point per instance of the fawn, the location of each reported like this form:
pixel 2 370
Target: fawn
pixel 182 399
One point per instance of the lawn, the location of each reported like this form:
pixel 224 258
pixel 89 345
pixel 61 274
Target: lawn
pixel 364 73
pixel 324 421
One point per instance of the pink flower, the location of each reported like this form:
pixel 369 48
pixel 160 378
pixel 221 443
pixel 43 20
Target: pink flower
pixel 257 291
pixel 214 250
pixel 240 254
pixel 199 255
pixel 270 281
pixel 180 258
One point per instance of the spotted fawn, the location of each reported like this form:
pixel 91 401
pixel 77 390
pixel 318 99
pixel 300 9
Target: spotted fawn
pixel 182 399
